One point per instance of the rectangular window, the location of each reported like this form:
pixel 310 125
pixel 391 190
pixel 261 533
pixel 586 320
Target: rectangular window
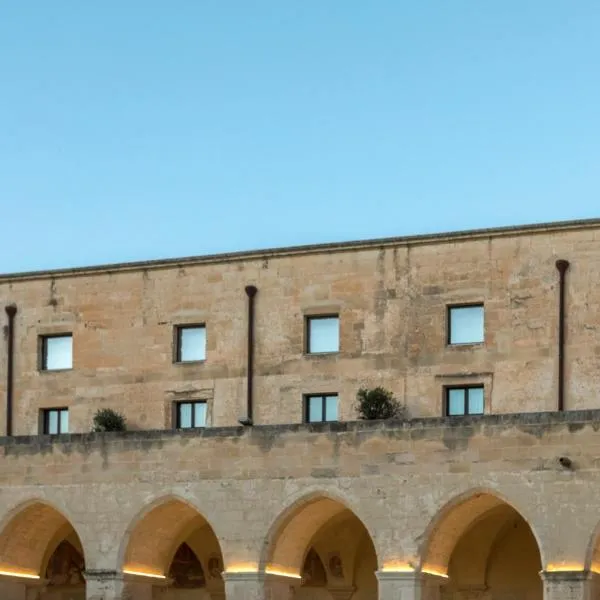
pixel 465 324
pixel 190 343
pixel 191 414
pixel 57 352
pixel 322 334
pixel 464 401
pixel 56 421
pixel 321 408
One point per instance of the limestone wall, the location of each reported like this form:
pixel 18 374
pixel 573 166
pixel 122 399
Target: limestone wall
pixel 391 297
pixel 408 484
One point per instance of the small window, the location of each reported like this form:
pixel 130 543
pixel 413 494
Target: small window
pixel 57 352
pixel 323 334
pixel 465 324
pixel 321 408
pixel 56 421
pixel 464 401
pixel 190 343
pixel 191 414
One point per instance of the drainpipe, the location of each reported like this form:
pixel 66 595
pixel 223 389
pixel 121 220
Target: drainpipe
pixel 248 421
pixel 562 266
pixel 11 311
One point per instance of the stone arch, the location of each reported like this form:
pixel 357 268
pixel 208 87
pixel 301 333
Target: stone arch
pixel 458 517
pixel 157 533
pixel 29 535
pixel 289 538
pixel 592 554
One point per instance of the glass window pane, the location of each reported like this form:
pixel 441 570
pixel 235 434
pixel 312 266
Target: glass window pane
pixel 192 342
pixel 466 325
pixel 59 352
pixel 331 408
pixel 64 421
pixel 52 422
pixel 476 401
pixel 324 334
pixel 199 414
pixel 185 415
pixel 315 409
pixel 456 402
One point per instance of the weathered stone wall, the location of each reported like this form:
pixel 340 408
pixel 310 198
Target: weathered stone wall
pixel 406 483
pixel 391 298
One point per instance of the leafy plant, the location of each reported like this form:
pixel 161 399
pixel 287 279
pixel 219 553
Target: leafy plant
pixel 379 403
pixel 107 419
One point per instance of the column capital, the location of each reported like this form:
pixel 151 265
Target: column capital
pixel 560 576
pixel 102 575
pixel 406 576
pixel 243 576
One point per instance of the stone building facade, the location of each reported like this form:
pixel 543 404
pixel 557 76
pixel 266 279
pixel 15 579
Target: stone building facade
pixel 244 474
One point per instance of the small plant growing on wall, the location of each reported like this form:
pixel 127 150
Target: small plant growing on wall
pixel 107 419
pixel 379 403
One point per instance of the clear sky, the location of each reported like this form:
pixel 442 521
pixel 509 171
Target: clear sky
pixel 143 129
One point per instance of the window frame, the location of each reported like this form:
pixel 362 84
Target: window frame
pixel 466 388
pixel 323 396
pixel 45 420
pixel 449 309
pixel 177 416
pixel 307 334
pixel 177 335
pixel 43 351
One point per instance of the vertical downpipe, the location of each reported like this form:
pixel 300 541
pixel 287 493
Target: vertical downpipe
pixel 249 420
pixel 562 266
pixel 11 311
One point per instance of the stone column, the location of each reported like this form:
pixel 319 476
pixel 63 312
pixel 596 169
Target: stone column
pixel 567 585
pixel 112 585
pixel 13 589
pixel 399 586
pixel 258 586
pixel 341 593
pixel 408 586
pixel 244 586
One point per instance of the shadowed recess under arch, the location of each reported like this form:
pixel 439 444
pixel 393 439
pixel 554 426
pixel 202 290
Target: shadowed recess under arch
pixel 289 539
pixel 31 536
pixel 155 538
pixel 457 518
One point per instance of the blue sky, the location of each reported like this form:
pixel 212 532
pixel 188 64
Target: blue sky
pixel 147 129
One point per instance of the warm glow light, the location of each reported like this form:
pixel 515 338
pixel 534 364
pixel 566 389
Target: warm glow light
pixel 434 571
pixel 595 568
pixel 397 567
pixel 19 574
pixel 564 568
pixel 144 574
pixel 282 573
pixel 242 568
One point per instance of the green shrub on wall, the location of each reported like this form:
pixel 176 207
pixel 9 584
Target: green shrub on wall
pixel 379 403
pixel 107 419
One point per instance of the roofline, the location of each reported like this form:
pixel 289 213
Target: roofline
pixel 246 255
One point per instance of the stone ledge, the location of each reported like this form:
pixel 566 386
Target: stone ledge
pixel 534 423
pixel 269 253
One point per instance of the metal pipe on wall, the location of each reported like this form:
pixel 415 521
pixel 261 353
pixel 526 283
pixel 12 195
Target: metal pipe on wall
pixel 562 266
pixel 251 291
pixel 11 311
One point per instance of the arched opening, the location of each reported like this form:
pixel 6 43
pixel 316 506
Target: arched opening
pixel 483 548
pixel 40 544
pixel 325 551
pixel 174 545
